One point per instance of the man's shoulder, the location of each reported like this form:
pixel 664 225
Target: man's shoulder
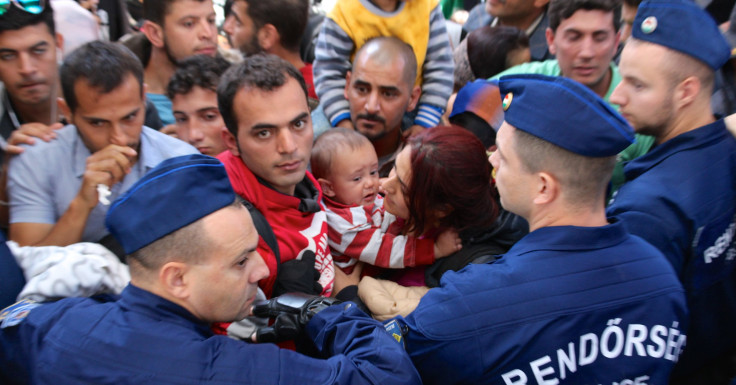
pixel 166 145
pixel 58 147
pixel 548 67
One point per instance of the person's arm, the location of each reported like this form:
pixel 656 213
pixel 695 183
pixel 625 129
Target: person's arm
pixel 351 347
pixel 107 166
pixel 437 73
pixel 25 134
pixel 355 235
pixel 331 64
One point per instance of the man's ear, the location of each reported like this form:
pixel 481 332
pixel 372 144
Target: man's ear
pixel 59 40
pixel 172 278
pixel 64 108
pixel 231 142
pixel 540 3
pixel 326 187
pixel 416 92
pixel 549 34
pixel 547 189
pixel 347 84
pixel 154 33
pixel 686 92
pixel 268 37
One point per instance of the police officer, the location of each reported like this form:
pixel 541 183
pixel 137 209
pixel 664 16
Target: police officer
pixel 192 253
pixel 578 300
pixel 681 196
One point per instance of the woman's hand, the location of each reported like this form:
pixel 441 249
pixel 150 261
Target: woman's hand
pixel 448 242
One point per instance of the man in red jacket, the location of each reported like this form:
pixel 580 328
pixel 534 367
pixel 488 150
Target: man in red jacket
pixel 263 102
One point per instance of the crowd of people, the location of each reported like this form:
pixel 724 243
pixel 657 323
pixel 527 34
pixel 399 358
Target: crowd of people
pixel 543 193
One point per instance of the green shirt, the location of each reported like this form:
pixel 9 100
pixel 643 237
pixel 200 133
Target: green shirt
pixel 643 142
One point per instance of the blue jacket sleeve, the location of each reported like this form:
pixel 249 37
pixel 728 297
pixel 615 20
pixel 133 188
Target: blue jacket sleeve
pixel 361 350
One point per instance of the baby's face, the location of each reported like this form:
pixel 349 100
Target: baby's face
pixel 354 176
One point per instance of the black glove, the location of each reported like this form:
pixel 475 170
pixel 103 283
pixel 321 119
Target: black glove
pixel 292 312
pixel 298 275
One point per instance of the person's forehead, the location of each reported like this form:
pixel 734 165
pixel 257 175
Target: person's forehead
pixel 589 19
pixel 182 8
pixel 380 72
pixel 25 37
pixel 196 95
pixel 89 97
pixel 256 106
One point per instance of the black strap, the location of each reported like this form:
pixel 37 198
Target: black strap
pixel 265 231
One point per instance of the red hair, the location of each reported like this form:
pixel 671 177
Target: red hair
pixel 450 173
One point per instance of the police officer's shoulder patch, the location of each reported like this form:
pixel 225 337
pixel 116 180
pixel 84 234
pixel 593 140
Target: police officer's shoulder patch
pixel 17 312
pixel 393 328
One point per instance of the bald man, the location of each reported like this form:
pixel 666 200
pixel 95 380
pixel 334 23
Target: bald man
pixel 380 89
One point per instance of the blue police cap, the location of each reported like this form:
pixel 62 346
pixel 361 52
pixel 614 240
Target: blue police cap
pixel 683 26
pixel 482 98
pixel 565 113
pixel 177 192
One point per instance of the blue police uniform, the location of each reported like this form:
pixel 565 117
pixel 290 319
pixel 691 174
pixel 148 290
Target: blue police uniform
pixel 566 304
pixel 144 339
pixel 681 198
pixel 580 305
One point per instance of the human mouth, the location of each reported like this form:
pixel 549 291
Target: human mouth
pixel 290 166
pixel 210 51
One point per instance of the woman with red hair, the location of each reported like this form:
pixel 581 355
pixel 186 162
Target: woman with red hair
pixel 442 179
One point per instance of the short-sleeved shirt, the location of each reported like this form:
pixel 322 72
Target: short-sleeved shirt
pixel 45 178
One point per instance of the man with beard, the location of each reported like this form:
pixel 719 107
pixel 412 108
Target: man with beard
pixel 57 189
pixel 176 30
pixel 681 196
pixel 275 27
pixel 380 89
pixel 584 36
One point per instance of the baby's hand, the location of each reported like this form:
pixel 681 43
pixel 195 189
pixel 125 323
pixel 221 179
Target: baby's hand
pixel 448 242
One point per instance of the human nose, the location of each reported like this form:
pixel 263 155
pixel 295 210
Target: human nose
pixel 372 105
pixel 587 48
pixel 117 135
pixel 195 133
pixel 260 269
pixel 228 25
pixel 617 96
pixel 285 142
pixel 27 64
pixel 206 30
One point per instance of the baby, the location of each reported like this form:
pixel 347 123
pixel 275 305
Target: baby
pixel 346 166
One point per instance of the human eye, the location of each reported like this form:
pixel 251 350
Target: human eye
pixel 263 134
pixel 390 94
pixel 188 23
pixel 243 261
pixel 210 116
pixel 300 124
pixel 7 56
pixel 40 50
pixel 374 172
pixel 130 117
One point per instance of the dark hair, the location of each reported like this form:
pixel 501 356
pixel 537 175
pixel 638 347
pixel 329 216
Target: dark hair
pixel 327 145
pixel 449 172
pixel 635 3
pixel 104 65
pixel 261 71
pixel 477 125
pixel 560 10
pixel 196 71
pixel 16 18
pixel 489 48
pixel 288 16
pixel 156 10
